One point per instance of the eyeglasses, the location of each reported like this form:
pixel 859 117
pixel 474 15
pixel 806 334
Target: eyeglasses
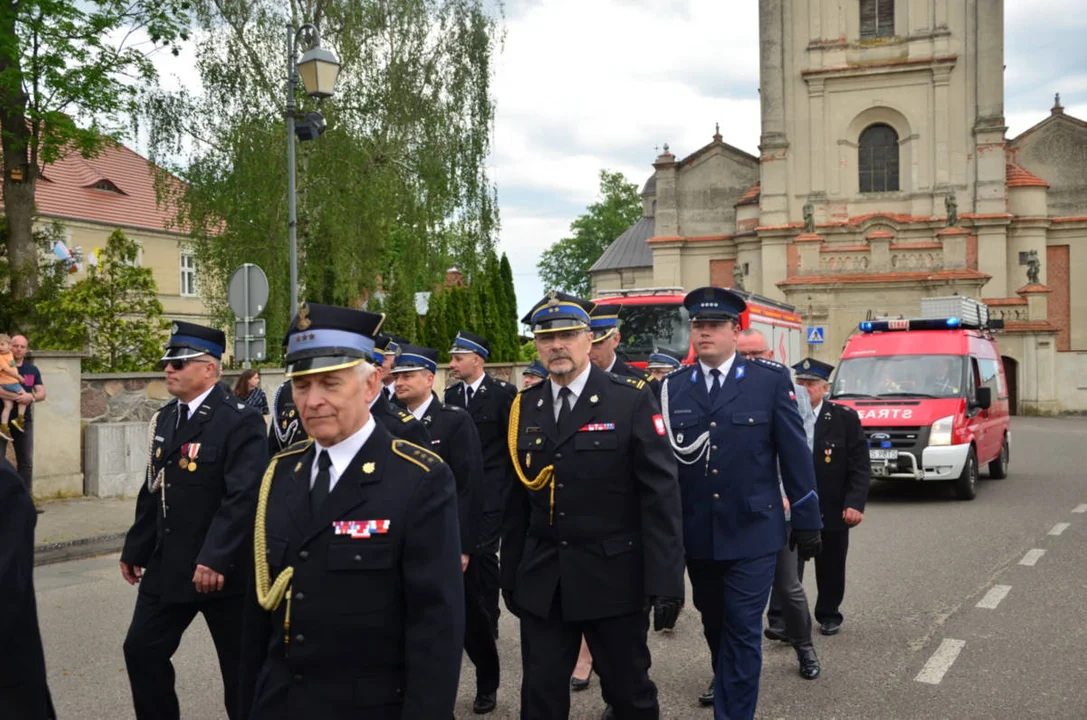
pixel 179 363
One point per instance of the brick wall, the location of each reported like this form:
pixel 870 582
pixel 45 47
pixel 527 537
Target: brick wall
pixel 1059 305
pixel 721 273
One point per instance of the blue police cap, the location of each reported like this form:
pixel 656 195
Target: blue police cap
pixel 415 357
pixel 714 303
pixel 812 369
pixel 535 368
pixel 558 311
pixel 466 342
pixel 326 338
pixel 662 360
pixel 189 340
pixel 383 345
pixel 604 320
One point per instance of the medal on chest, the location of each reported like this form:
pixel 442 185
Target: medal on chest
pixel 826 453
pixel 189 453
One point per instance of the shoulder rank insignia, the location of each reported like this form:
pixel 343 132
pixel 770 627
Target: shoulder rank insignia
pixel 298 447
pixel 405 416
pixel 420 456
pixel 624 380
pixel 772 364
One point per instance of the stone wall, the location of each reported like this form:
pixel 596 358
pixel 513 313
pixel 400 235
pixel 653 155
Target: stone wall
pixel 57 450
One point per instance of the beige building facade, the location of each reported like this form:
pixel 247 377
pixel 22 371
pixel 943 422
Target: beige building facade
pixel 885 176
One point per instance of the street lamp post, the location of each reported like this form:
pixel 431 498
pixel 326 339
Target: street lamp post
pixel 317 70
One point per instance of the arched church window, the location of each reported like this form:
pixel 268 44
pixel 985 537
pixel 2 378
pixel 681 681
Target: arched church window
pixel 877 19
pixel 878 159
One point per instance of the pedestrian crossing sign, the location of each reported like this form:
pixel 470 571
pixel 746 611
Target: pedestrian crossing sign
pixel 815 336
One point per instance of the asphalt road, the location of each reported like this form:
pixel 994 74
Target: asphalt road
pixel 918 567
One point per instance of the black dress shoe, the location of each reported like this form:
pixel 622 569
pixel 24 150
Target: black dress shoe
pixel 485 703
pixel 578 684
pixel 706 698
pixel 809 663
pixel 774 634
pixel 830 628
pixel 609 714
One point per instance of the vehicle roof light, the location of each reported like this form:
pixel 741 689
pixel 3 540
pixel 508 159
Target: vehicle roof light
pixel 870 326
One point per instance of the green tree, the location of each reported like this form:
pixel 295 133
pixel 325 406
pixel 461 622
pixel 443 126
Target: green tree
pixel 397 187
pixel 565 265
pixel 114 312
pixel 509 317
pixel 59 61
pixel 434 333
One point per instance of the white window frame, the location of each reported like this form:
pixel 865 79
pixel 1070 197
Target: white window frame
pixel 193 291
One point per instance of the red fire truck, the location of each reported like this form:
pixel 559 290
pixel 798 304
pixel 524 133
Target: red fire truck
pixel 655 318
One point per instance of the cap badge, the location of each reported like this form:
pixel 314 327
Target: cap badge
pixel 552 298
pixel 303 317
pixel 174 330
pixel 807 364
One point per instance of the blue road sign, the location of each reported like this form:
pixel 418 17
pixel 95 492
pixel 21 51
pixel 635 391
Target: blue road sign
pixel 815 336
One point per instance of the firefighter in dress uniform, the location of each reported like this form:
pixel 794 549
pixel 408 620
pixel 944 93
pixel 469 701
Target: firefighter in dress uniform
pixel 732 422
pixel 190 549
pixel 592 531
pixel 357 609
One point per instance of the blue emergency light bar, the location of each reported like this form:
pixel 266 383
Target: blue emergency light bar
pixel 870 326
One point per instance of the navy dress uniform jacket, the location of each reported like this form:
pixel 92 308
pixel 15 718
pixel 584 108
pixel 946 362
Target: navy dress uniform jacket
pixel 490 411
pixel 208 513
pixel 732 505
pixel 844 480
pixel 613 538
pixel 377 622
pixel 455 439
pixel 24 693
pixel 399 422
pixel 286 426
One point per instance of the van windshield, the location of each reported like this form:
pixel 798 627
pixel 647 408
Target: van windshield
pixel 644 327
pixel 926 376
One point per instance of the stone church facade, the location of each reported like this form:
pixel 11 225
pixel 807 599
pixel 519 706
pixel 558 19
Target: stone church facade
pixel 885 176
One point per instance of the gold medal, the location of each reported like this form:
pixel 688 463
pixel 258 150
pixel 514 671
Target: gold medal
pixel 192 467
pixel 827 458
pixel 284 424
pixel 183 463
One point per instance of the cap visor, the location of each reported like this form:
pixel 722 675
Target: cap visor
pixel 325 363
pixel 183 353
pixel 558 325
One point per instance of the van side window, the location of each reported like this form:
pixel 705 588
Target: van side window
pixel 990 377
pixel 973 381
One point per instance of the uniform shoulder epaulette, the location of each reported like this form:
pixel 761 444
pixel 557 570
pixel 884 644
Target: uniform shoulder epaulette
pixel 531 388
pixel 404 415
pixel 627 380
pixel 415 454
pixel 845 408
pixel 295 448
pixel 771 364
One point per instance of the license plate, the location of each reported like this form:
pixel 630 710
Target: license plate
pixel 881 454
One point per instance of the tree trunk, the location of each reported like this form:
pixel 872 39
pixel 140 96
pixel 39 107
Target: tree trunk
pixel 16 139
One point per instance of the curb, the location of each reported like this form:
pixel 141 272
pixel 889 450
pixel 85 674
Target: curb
pixel 78 549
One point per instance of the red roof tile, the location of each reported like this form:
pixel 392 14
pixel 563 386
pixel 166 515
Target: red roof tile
pixel 751 197
pixel 1019 177
pixel 66 190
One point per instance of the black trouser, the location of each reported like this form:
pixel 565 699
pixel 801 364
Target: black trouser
pixel 479 641
pixel 789 613
pixel 154 636
pixel 490 533
pixel 549 650
pixel 830 576
pixel 23 442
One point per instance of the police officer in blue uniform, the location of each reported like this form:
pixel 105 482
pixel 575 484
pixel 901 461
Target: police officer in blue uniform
pixel 843 473
pixel 732 422
pixel 189 547
pixel 357 604
pixel 660 363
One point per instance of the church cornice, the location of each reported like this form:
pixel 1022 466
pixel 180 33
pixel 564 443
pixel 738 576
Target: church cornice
pixel 934 64
pixel 893 278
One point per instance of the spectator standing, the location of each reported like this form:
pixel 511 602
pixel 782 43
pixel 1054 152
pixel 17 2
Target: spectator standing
pixel 248 390
pixel 23 440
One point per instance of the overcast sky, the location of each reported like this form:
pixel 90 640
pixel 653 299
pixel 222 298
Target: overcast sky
pixel 589 84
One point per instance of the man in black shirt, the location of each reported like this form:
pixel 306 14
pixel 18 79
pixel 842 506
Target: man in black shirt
pixel 23 440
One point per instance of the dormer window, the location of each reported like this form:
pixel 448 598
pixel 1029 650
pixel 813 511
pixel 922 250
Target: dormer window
pixel 877 19
pixel 106 186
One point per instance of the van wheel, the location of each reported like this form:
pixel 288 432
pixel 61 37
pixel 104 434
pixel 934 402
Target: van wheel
pixel 966 487
pixel 998 469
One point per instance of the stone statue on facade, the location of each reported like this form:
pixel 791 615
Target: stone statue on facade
pixel 809 218
pixel 738 276
pixel 1034 268
pixel 952 206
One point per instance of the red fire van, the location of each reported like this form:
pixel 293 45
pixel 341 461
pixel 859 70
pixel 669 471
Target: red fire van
pixel 932 397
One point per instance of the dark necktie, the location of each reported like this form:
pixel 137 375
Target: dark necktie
pixel 320 489
pixel 389 393
pixel 469 392
pixel 715 385
pixel 182 415
pixel 564 408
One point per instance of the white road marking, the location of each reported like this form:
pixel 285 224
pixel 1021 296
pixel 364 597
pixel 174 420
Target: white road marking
pixel 1059 528
pixel 1082 508
pixel 994 596
pixel 1032 557
pixel 940 662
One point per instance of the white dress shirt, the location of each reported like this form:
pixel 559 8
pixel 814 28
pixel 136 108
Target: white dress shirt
pixel 420 411
pixel 577 386
pixel 341 454
pixel 723 367
pixel 817 410
pixel 474 386
pixel 196 402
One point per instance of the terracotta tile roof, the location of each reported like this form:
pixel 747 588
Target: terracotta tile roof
pixel 1018 177
pixel 876 278
pixel 1033 290
pixel 67 189
pixel 751 197
pixel 1004 302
